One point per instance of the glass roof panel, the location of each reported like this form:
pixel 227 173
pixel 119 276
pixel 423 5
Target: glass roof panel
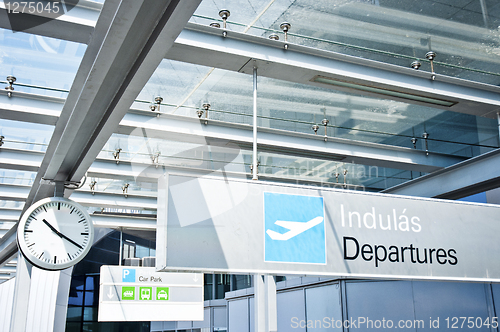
pixel 25 135
pixel 41 65
pixel 297 107
pixel 463 33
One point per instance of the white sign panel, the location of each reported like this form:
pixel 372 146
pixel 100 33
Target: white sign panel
pixel 239 226
pixel 129 293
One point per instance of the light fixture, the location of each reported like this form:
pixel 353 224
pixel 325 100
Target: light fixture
pixel 385 92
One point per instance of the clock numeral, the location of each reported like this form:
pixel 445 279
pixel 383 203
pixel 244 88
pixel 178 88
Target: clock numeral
pixel 59 206
pixel 81 220
pixel 39 257
pixel 44 208
pixel 72 210
pixel 28 231
pixel 31 244
pixel 85 233
pixel 69 255
pixel 55 259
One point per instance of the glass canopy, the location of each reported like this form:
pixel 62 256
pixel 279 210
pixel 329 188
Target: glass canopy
pixel 463 33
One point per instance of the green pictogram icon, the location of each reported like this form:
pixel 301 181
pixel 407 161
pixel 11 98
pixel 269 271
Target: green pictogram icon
pixel 128 293
pixel 146 293
pixel 162 293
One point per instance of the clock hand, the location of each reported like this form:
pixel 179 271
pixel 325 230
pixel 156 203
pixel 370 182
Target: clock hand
pixel 61 235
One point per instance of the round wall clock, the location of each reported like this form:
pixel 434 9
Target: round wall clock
pixel 55 233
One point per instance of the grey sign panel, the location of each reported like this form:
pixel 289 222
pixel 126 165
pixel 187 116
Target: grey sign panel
pixel 141 294
pixel 225 225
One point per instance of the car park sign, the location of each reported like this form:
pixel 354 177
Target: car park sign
pixel 141 294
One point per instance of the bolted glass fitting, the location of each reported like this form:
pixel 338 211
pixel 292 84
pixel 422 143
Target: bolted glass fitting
pixel 425 136
pixel 285 27
pixel 10 88
pixel 155 159
pixel 325 122
pixel 116 155
pixel 224 14
pixel 206 107
pixel 274 36
pixel 415 65
pixel 215 25
pixel 125 189
pixel 200 113
pixel 414 142
pixel 431 56
pixel 315 128
pixel 1 140
pixel 92 186
pixel 156 105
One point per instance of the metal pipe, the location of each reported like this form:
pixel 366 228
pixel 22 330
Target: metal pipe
pixel 498 117
pixel 120 254
pixel 254 163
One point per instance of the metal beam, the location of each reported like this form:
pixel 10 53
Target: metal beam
pixel 32 108
pixel 10 192
pixel 181 128
pixel 121 56
pixel 193 130
pixel 204 45
pixel 467 178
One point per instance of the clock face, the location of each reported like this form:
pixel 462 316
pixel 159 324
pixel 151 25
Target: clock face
pixel 55 233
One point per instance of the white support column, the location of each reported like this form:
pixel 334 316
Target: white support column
pixel 271 304
pixel 259 303
pixel 21 295
pixel 266 313
pixel 254 163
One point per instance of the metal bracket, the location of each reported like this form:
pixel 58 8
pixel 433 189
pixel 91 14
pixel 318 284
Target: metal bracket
pixel 125 190
pixel 224 14
pixel 206 107
pixel 425 135
pixel 10 88
pixel 431 56
pixel 92 186
pixel 285 27
pixel 414 142
pixel 155 159
pixel 116 155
